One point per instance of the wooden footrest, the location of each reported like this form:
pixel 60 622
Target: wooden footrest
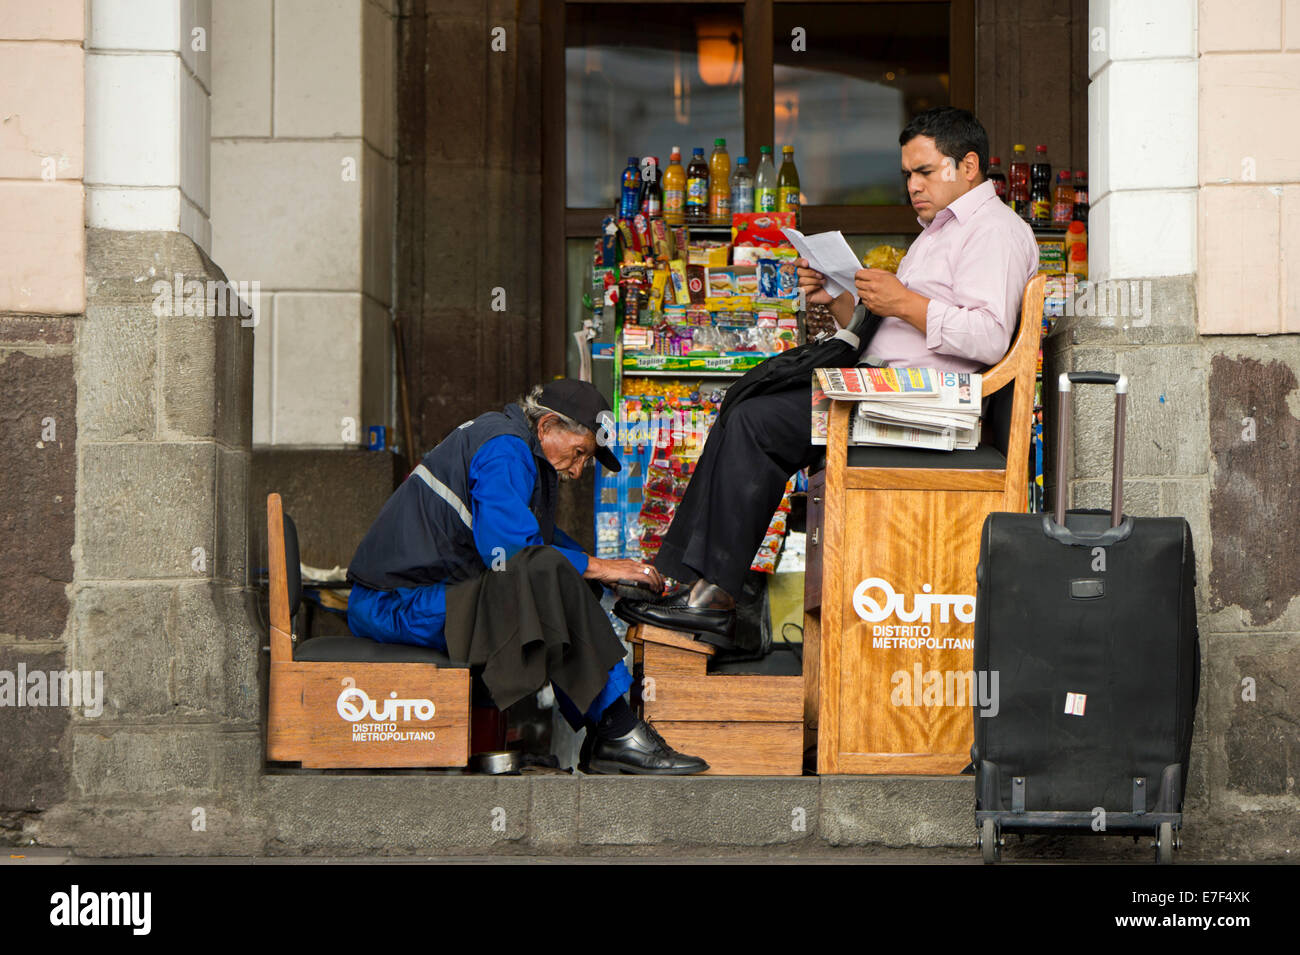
pixel 741 724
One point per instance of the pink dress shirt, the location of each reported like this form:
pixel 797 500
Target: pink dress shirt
pixel 972 261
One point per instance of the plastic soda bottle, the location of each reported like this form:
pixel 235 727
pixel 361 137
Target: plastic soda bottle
pixel 630 193
pixel 765 182
pixel 1018 182
pixel 998 178
pixel 675 189
pixel 720 184
pixel 697 188
pixel 742 187
pixel 787 185
pixel 1040 188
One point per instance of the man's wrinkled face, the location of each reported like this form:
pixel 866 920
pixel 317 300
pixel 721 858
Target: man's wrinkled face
pixel 568 453
pixel 933 180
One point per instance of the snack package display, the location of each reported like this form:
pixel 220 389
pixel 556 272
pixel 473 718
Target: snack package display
pixel 761 229
pixel 677 273
pixel 662 239
pixel 658 283
pixel 769 552
pixel 695 284
pixel 683 299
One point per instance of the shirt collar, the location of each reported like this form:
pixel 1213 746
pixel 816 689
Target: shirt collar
pixel 964 206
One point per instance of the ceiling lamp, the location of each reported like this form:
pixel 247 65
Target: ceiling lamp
pixel 719 51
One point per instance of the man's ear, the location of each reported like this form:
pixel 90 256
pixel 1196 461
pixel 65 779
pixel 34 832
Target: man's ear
pixel 970 166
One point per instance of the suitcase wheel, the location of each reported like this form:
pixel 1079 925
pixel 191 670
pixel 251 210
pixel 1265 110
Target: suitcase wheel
pixel 1166 842
pixel 990 842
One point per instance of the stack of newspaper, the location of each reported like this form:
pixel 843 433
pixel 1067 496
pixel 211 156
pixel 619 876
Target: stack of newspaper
pixel 904 407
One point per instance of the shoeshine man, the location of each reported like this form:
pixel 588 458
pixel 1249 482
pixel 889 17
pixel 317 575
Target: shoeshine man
pixel 953 306
pixel 465 557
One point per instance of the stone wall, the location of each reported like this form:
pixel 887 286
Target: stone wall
pixel 159 592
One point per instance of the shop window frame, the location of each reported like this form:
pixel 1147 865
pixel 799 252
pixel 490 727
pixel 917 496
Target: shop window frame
pixel 561 222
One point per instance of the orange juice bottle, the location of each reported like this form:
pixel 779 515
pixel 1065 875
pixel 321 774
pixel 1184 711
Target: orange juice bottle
pixel 675 189
pixel 720 184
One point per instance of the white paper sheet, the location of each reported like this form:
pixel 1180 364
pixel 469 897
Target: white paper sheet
pixel 831 255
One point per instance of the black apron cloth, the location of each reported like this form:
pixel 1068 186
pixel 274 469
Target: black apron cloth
pixel 531 622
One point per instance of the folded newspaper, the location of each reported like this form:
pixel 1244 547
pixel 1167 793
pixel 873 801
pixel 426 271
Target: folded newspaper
pixel 902 407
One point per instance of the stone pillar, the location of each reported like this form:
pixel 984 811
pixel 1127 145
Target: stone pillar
pixel 1138 316
pixel 1190 173
pixel 160 603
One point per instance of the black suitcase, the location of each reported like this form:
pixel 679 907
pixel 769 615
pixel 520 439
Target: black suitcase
pixel 1085 629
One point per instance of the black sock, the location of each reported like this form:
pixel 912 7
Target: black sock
pixel 617 720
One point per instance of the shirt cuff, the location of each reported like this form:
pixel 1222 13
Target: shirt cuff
pixel 935 313
pixel 577 558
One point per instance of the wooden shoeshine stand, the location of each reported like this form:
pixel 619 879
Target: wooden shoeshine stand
pixel 888 683
pixel 890 585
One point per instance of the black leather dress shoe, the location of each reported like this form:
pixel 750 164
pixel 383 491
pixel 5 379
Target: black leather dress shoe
pixel 642 751
pixel 712 625
pixel 635 590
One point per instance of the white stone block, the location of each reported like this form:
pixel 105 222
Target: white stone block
pixel 195 142
pixel 241 68
pixel 377 226
pixel 196 38
pixel 380 78
pixel 1142 234
pixel 316 390
pixel 1140 30
pixel 263 367
pixel 194 223
pixel 283 214
pixel 130 210
pixel 1146 121
pixel 318 68
pixel 1098 136
pixel 132 111
pixel 134 25
pixel 376 366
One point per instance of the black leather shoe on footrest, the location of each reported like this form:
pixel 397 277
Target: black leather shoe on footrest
pixel 675 615
pixel 642 751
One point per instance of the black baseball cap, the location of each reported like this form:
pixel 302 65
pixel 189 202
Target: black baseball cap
pixel 584 403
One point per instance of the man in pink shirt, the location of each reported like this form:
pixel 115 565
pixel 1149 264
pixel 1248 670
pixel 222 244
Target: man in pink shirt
pixel 953 305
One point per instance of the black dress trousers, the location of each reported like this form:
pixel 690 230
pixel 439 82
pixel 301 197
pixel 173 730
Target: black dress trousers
pixel 737 485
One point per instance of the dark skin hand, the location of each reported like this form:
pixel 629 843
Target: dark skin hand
pixel 569 454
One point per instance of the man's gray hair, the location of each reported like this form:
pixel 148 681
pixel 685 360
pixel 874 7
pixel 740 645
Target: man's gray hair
pixel 536 411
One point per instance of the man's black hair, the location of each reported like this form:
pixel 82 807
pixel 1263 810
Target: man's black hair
pixel 955 132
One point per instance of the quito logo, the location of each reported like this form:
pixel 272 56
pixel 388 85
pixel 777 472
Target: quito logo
pixel 354 705
pixel 962 606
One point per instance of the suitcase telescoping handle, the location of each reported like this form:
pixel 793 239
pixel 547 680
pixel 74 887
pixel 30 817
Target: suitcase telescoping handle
pixel 1067 380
